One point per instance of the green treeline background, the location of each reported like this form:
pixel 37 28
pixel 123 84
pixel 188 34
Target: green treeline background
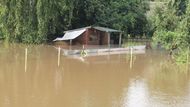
pixel 37 21
pixel 171 27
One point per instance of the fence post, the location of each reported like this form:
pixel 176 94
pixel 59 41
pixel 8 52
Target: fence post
pixel 188 59
pixel 131 61
pixel 26 58
pixel 59 54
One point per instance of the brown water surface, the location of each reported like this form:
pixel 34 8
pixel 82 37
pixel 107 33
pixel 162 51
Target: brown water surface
pixel 98 81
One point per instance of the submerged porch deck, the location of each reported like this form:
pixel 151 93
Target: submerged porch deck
pixel 95 50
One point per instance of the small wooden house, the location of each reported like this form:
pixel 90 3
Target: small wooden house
pixel 90 36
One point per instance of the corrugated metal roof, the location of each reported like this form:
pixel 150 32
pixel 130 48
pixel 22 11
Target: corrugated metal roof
pixel 71 35
pixel 78 29
pixel 106 29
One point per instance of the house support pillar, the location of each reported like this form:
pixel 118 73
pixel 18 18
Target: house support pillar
pixel 70 42
pixel 86 37
pixel 108 39
pixel 120 39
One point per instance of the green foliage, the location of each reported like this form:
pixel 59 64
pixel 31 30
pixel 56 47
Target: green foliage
pixel 166 38
pixel 126 15
pixel 37 21
pixel 172 27
pixel 2 13
pixel 182 55
pixel 32 21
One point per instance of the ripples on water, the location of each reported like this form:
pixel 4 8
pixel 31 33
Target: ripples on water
pixel 101 81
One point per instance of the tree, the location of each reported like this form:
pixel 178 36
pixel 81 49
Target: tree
pixel 172 27
pixel 37 21
pixel 128 16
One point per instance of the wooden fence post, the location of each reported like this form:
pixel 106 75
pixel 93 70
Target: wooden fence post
pixel 131 61
pixel 188 59
pixel 26 58
pixel 59 54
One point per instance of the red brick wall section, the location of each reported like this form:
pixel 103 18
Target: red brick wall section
pixel 85 38
pixel 95 35
pixel 82 39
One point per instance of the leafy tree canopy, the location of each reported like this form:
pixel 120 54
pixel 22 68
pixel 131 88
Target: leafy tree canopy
pixel 36 21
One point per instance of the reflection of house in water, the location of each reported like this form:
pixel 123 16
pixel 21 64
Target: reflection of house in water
pixel 91 36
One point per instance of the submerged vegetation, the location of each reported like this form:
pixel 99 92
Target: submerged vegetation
pixel 171 27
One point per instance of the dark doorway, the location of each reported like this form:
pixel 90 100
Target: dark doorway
pixel 101 38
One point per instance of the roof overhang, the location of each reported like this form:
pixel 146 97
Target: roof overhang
pixel 104 29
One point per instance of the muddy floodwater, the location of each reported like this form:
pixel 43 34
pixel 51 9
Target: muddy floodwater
pixel 97 81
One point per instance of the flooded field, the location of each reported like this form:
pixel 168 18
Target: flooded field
pixel 98 81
